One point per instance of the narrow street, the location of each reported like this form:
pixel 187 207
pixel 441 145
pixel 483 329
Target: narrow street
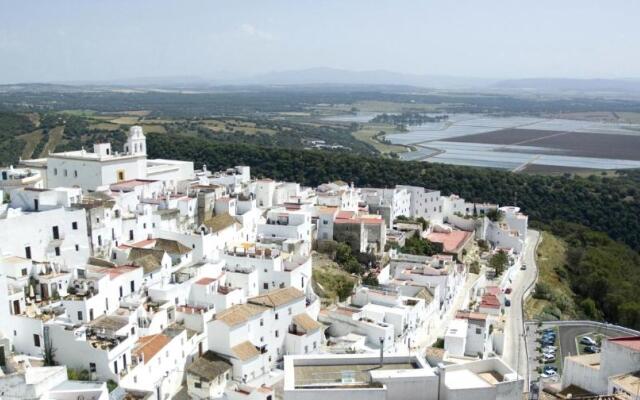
pixel 514 347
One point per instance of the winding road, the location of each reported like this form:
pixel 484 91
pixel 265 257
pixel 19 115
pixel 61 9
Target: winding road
pixel 514 353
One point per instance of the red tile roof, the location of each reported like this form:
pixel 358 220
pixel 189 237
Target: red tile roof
pixel 130 184
pixel 490 301
pixel 452 241
pixel 631 342
pixel 471 315
pixel 150 345
pixel 205 281
pixel 345 214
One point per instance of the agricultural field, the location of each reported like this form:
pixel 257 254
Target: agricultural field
pixel 579 144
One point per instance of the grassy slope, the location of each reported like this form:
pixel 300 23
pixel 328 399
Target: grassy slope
pixel 55 136
pixel 367 133
pixel 328 277
pixel 31 141
pixel 550 257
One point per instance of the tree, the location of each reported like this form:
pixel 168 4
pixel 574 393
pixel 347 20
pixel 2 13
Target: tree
pixel 499 262
pixel 343 253
pixel 370 279
pixel 494 215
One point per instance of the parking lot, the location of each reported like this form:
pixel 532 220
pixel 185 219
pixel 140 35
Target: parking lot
pixel 567 340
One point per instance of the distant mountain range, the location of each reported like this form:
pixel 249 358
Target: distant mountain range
pixel 371 77
pixel 335 79
pixel 571 85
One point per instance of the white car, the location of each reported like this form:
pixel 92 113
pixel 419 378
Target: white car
pixel 549 348
pixel 549 374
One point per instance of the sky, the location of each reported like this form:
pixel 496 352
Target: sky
pixel 90 40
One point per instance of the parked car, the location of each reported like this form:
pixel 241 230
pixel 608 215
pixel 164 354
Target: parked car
pixel 586 340
pixel 508 290
pixel 548 351
pixel 523 267
pixel 591 349
pixel 549 374
pixel 507 303
pixel 551 368
pixel 549 348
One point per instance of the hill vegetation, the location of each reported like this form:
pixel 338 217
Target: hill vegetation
pixel 610 205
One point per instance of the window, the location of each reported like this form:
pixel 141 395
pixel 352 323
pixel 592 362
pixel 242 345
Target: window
pixel 55 232
pixel 77 247
pixel 265 286
pixel 197 385
pixel 289 310
pixel 79 315
pixel 75 173
pixel 24 272
pixel 36 340
pixel 55 171
pixel 276 315
pixel 261 321
pixel 132 284
pixel 99 240
pixel 478 331
pixel 66 172
pixel 92 367
pixel 131 234
pixel 277 333
pixel 27 252
pixel 144 226
pixel 74 225
pixel 315 345
pixel 121 291
pixel 57 250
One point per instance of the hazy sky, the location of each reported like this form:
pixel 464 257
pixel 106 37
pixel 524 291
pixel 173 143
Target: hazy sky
pixel 63 40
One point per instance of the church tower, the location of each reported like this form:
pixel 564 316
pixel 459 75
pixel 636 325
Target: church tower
pixel 136 142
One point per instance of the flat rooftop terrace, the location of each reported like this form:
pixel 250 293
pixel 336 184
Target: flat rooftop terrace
pixel 346 374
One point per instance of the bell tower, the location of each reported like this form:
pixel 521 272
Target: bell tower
pixel 136 142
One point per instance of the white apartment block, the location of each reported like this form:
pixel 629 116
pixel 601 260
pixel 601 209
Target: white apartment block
pixel 255 335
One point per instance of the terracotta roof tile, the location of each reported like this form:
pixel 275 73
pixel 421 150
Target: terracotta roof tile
pixel 149 346
pixel 245 351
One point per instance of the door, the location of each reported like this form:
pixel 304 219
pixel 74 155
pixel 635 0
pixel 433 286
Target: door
pixel 56 232
pixel 16 307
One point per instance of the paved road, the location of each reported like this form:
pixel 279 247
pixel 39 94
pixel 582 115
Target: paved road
pixel 514 346
pixel 567 336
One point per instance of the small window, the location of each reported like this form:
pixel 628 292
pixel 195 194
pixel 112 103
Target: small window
pixel 277 333
pixel 79 315
pixel 57 250
pixel 478 331
pixel 24 272
pixel 197 385
pixel 276 315
pixel 66 173
pixel 75 173
pixel 92 367
pixel 261 322
pixel 36 340
pixel 55 171
pixel 289 310
pixel 74 225
pixel 77 247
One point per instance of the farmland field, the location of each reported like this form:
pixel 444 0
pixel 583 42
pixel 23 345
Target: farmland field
pixel 581 144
